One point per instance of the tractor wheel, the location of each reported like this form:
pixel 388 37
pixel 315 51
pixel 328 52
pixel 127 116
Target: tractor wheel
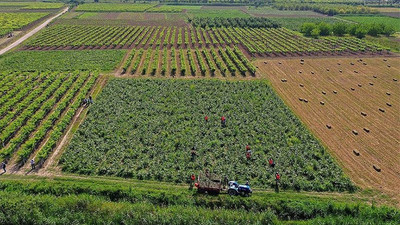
pixel 231 192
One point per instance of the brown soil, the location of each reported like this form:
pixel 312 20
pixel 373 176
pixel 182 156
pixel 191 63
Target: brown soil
pixel 342 111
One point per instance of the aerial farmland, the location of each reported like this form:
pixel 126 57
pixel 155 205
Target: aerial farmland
pixel 193 112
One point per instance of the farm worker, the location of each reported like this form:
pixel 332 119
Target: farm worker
pixel 90 99
pixel 277 178
pixel 247 183
pixel 271 163
pixel 33 164
pixel 248 154
pixel 193 153
pixel 3 166
pixel 84 102
pixel 225 181
pixel 206 118
pixel 223 121
pixel 247 147
pixel 193 177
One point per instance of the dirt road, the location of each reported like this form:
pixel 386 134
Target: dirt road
pixel 32 32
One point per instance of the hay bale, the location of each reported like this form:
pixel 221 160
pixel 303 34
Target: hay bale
pixel 388 93
pixel 301 60
pixel 312 72
pixel 388 104
pixel 352 89
pixel 355 132
pixel 382 110
pixel 300 71
pixel 301 85
pixel 357 153
pixel 388 65
pixel 340 71
pixel 284 80
pixel 327 69
pixel 334 92
pixel 279 62
pixel 377 168
pixel 338 64
pixel 329 126
pixel 257 67
pixel 375 76
pixel 301 99
pixel 323 92
pixel 301 63
pixel 322 103
pixel 305 100
pixel 384 60
pixel 359 85
pixel 352 64
pixel 370 83
pixel 394 79
pixel 364 64
pixel 360 60
pixel 355 71
pixel 363 113
pixel 265 62
pixel 366 129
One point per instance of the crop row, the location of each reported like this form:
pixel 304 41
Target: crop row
pixel 35 115
pixel 188 61
pixel 255 40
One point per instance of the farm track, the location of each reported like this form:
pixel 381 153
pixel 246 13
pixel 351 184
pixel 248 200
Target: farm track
pixel 342 111
pixel 31 33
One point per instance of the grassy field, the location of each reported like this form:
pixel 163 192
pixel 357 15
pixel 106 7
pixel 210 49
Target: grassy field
pixel 210 13
pixel 104 60
pixel 13 21
pixel 294 23
pixel 389 21
pixel 97 200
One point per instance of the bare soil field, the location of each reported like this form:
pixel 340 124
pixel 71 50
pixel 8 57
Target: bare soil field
pixel 352 105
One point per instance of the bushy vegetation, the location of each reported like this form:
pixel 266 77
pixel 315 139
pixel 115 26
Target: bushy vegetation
pixel 340 29
pixel 105 60
pixel 328 9
pixel 369 20
pixel 89 200
pixel 32 5
pixel 13 21
pixel 145 129
pixel 233 22
pixel 294 23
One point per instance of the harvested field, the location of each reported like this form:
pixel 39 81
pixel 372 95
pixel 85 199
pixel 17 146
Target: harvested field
pixel 361 120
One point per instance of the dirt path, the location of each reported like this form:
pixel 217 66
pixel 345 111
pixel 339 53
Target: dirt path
pixel 32 32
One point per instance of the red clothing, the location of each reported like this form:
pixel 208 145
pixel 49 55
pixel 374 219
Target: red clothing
pixel 278 177
pixel 193 177
pixel 206 118
pixel 270 162
pixel 223 118
pixel 248 155
pixel 247 147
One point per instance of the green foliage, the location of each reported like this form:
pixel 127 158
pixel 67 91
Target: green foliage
pixel 104 60
pixel 146 128
pixel 374 19
pixel 90 200
pixel 112 7
pixel 328 9
pixel 233 22
pixel 13 21
pixel 339 29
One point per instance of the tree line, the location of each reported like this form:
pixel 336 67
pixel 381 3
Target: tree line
pixel 340 29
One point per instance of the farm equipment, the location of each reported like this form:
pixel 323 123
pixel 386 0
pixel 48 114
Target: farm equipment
pixel 237 189
pixel 208 183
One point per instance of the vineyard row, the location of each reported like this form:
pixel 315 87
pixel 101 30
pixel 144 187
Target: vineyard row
pixel 36 109
pixel 199 61
pixel 255 40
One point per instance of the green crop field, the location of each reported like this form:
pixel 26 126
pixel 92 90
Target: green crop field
pixel 127 124
pixel 367 20
pixel 61 60
pixel 13 21
pixel 108 7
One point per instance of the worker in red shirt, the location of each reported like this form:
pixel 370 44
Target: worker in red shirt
pixel 248 152
pixel 206 118
pixel 223 121
pixel 192 179
pixel 277 178
pixel 271 163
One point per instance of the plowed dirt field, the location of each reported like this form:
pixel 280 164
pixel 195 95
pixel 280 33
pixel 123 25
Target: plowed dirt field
pixel 353 106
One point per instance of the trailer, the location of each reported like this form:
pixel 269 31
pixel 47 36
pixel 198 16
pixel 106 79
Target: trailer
pixel 208 183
